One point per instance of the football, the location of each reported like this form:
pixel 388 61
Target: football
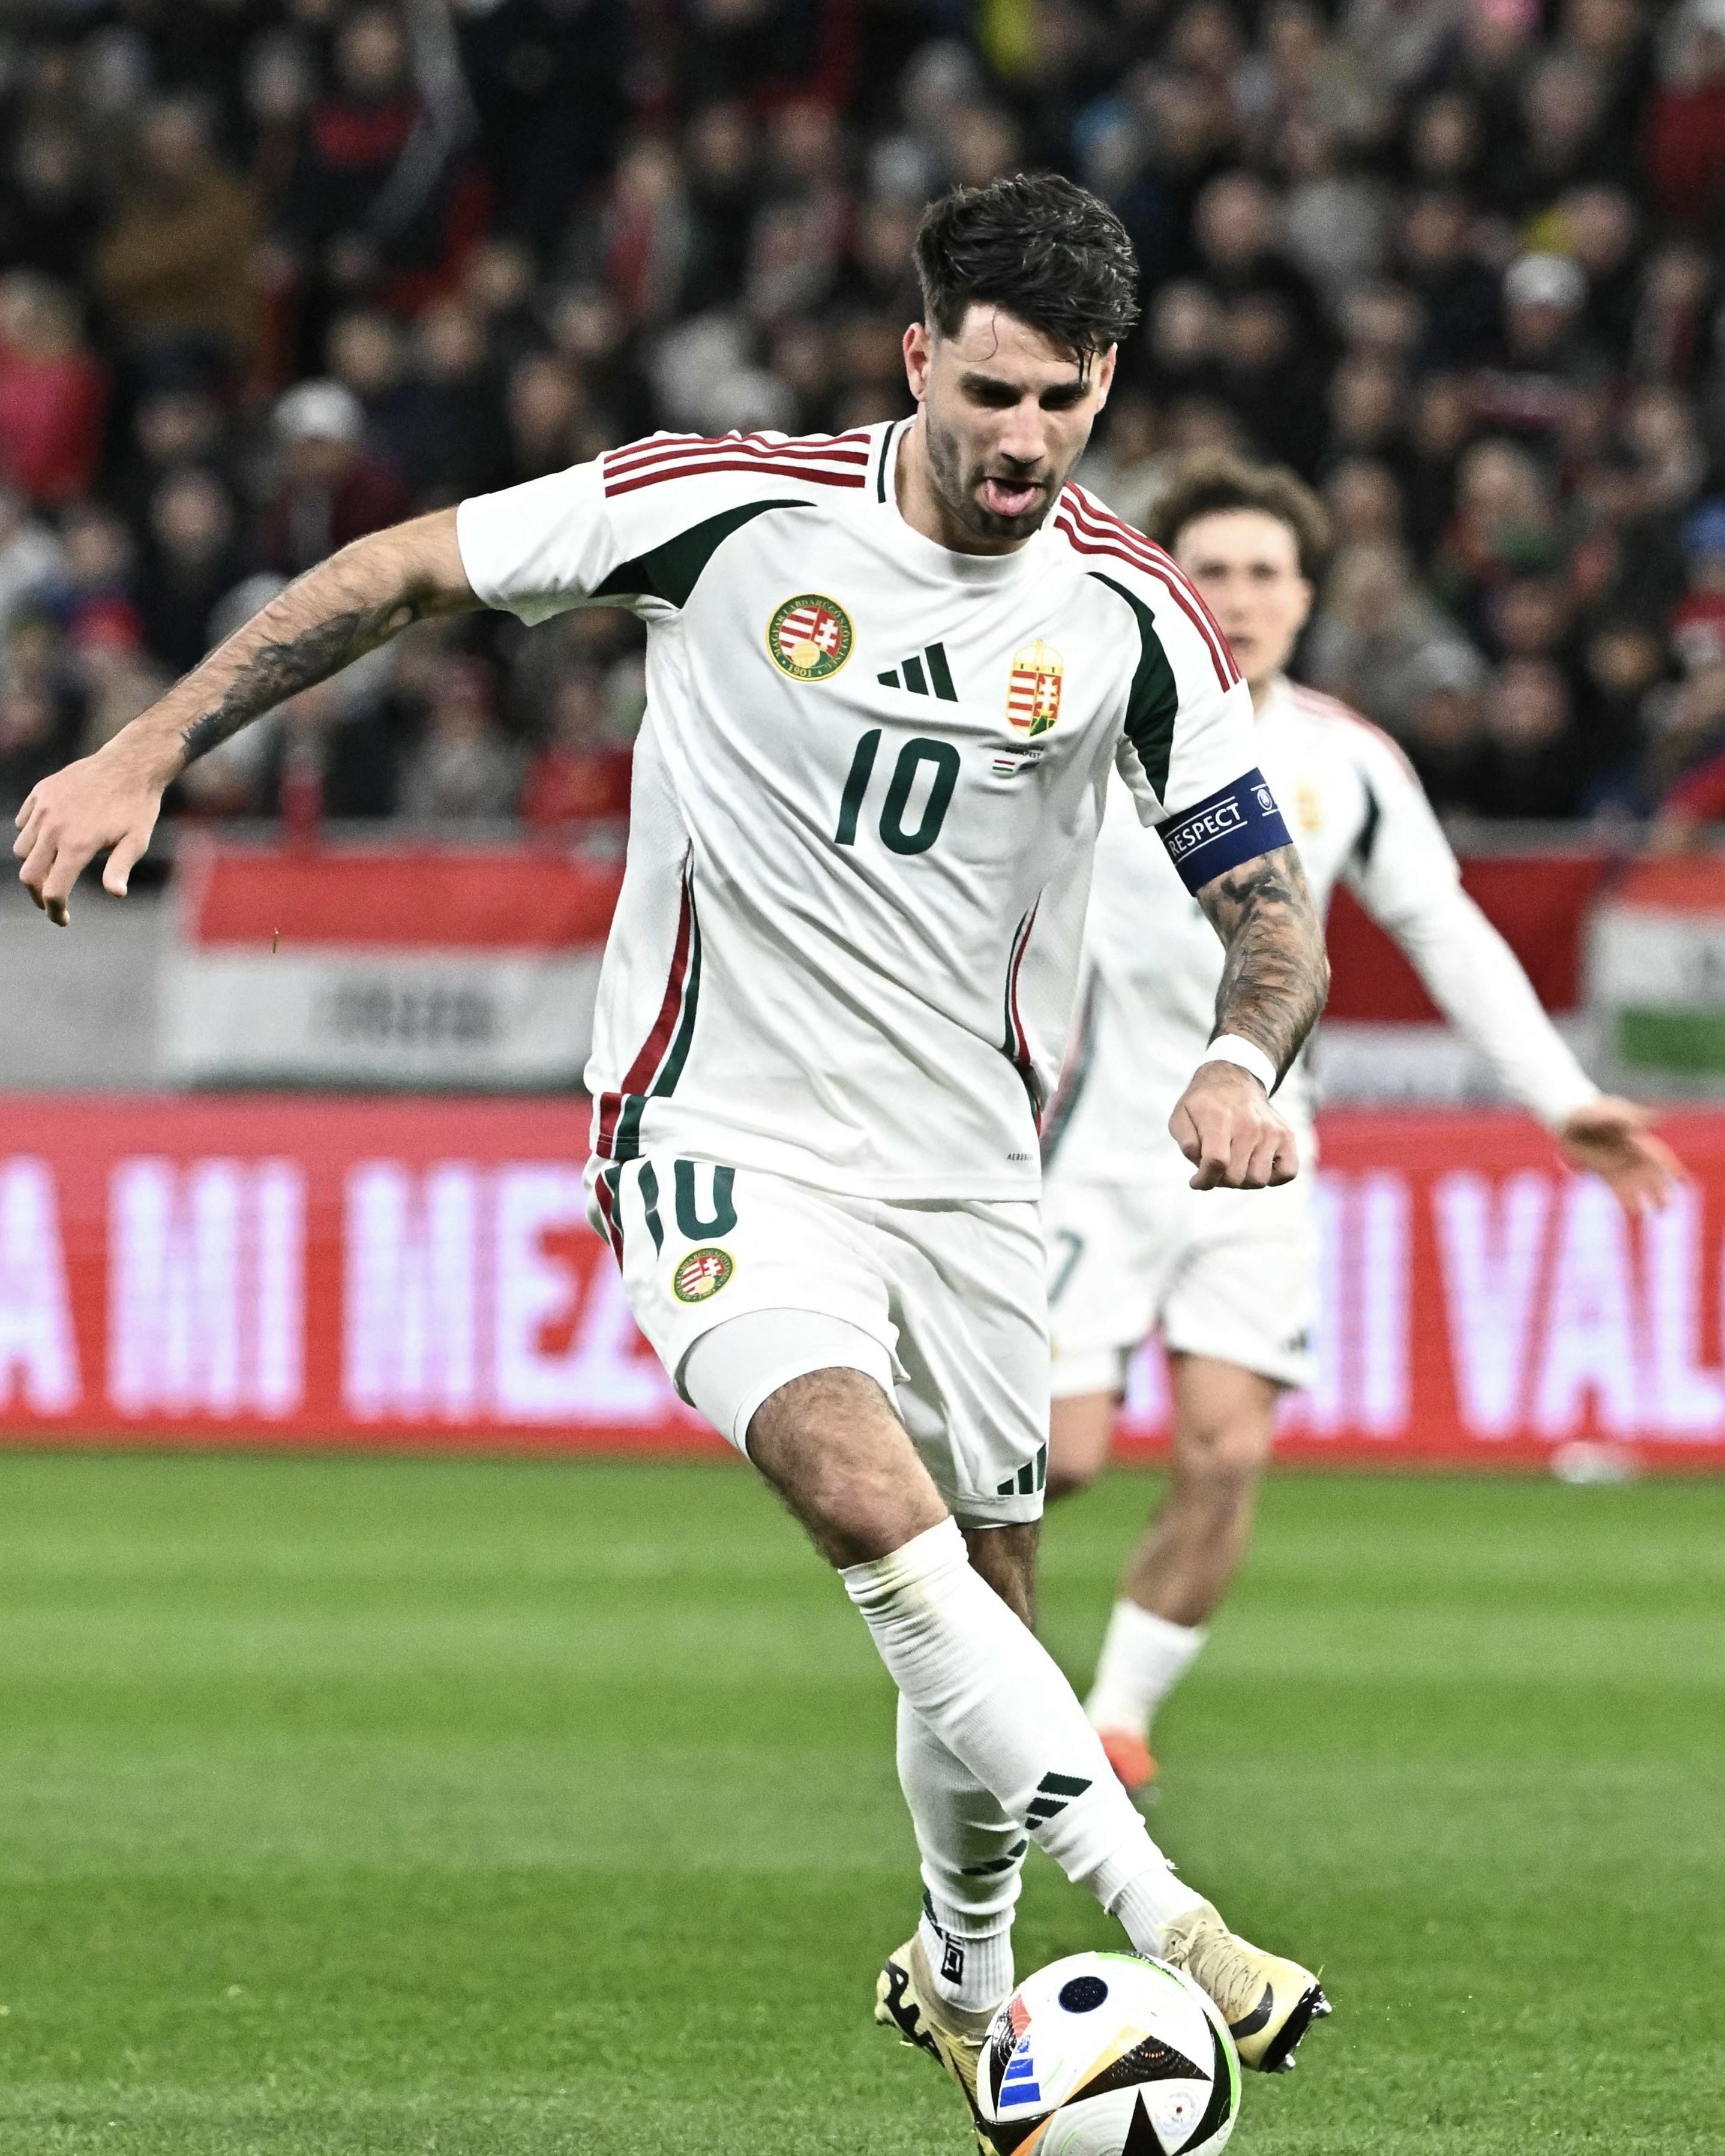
pixel 1108 2055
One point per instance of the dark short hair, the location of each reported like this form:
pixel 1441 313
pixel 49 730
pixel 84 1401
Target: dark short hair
pixel 1212 484
pixel 1042 249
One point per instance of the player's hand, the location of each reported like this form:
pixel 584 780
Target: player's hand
pixel 111 799
pixel 1613 1139
pixel 1227 1126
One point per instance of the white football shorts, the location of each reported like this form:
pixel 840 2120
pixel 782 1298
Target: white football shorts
pixel 945 1301
pixel 1231 1274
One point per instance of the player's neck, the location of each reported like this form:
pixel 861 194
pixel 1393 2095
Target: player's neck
pixel 920 504
pixel 1264 689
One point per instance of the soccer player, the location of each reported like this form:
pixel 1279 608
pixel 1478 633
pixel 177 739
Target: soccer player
pixel 889 675
pixel 1230 1280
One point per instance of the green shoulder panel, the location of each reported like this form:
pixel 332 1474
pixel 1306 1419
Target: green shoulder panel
pixel 1154 701
pixel 671 570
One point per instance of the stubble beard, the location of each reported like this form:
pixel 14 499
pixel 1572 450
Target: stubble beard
pixel 946 464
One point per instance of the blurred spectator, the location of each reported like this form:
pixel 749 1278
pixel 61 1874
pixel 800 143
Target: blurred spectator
pixel 1684 149
pixel 1505 519
pixel 99 570
pixel 462 767
pixel 1377 639
pixel 33 740
pixel 174 264
pixel 1125 469
pixel 581 776
pixel 114 673
pixel 1531 767
pixel 379 199
pixel 1444 738
pixel 192 561
pixel 49 213
pixel 1529 386
pixel 546 76
pixel 541 410
pixel 452 439
pixel 332 488
pixel 32 561
pixel 53 392
pixel 1697 621
pixel 1436 259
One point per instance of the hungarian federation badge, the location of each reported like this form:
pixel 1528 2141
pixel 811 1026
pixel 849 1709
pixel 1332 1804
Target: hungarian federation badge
pixel 1033 694
pixel 809 637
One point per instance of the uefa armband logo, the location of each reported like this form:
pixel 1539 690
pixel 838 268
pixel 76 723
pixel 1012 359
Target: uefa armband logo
pixel 1232 825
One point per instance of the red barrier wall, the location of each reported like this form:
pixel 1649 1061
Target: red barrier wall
pixel 378 1272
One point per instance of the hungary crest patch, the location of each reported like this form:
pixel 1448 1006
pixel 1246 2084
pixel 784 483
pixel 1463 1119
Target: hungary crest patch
pixel 1033 690
pixel 809 637
pixel 702 1273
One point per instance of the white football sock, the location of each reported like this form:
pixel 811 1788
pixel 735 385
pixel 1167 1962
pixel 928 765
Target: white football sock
pixel 1143 1657
pixel 972 1857
pixel 996 1699
pixel 972 1969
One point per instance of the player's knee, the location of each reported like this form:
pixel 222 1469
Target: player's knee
pixel 1222 1455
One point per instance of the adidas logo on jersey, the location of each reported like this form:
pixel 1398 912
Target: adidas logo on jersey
pixel 919 671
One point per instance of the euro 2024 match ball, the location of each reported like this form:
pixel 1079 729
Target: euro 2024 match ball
pixel 1108 2055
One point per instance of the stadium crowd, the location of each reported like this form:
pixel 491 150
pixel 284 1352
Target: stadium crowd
pixel 275 272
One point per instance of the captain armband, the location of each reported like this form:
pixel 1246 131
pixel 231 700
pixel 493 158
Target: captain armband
pixel 1234 824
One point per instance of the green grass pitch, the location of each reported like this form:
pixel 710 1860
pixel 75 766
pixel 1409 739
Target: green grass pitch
pixel 364 1806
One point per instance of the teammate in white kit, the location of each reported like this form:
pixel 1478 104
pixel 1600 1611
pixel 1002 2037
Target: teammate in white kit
pixel 889 674
pixel 1230 1280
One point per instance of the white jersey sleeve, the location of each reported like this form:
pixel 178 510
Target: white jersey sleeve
pixel 635 528
pixel 1186 751
pixel 1403 873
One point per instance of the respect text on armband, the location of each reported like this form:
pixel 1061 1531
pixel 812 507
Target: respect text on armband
pixel 1234 824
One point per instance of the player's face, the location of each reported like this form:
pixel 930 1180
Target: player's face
pixel 1246 565
pixel 1006 413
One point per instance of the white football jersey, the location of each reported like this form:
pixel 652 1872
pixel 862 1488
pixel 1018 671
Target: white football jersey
pixel 1358 815
pixel 866 796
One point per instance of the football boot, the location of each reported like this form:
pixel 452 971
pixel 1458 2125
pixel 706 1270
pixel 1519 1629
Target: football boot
pixel 906 2000
pixel 1268 2003
pixel 1130 1758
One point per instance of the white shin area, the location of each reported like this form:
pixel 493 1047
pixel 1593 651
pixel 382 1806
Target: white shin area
pixel 1143 1657
pixel 992 1696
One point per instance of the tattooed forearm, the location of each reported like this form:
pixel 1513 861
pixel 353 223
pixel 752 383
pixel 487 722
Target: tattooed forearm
pixel 332 615
pixel 1276 974
pixel 277 670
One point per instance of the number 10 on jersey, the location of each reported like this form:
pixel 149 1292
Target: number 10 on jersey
pixel 943 759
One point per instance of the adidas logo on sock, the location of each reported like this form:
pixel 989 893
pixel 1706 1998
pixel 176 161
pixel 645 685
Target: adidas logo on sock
pixel 1054 1793
pixel 997 1863
pixel 918 672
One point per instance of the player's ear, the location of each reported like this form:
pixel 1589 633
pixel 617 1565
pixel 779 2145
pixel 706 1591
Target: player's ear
pixel 1105 374
pixel 919 354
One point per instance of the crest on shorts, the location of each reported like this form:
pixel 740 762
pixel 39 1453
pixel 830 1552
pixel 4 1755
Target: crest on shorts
pixel 809 637
pixel 702 1273
pixel 1033 690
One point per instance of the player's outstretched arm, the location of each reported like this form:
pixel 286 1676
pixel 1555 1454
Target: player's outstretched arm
pixel 347 606
pixel 1274 983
